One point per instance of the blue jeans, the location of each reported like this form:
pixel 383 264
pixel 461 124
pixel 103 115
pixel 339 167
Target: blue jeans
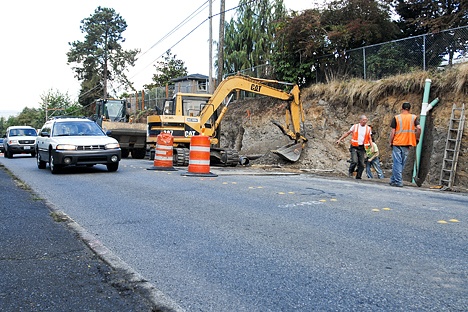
pixel 376 164
pixel 399 156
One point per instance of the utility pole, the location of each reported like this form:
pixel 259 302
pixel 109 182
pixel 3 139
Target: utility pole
pixel 210 40
pixel 221 41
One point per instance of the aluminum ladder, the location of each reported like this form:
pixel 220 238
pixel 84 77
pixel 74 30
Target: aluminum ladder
pixel 452 146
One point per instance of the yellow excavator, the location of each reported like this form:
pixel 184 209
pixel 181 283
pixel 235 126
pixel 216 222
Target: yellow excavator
pixel 189 114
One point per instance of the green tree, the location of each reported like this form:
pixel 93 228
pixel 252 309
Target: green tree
pixel 299 41
pixel 353 24
pixel 56 103
pixel 166 70
pixel 100 58
pixel 418 17
pixel 3 126
pixel 30 117
pixel 250 40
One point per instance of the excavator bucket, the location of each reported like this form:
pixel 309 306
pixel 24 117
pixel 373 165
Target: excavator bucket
pixel 290 152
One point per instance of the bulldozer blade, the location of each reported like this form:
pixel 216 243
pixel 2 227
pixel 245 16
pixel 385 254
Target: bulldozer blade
pixel 290 152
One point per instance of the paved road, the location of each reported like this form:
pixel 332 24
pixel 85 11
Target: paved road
pixel 44 267
pixel 241 242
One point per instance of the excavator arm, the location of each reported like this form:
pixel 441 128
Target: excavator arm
pixel 294 112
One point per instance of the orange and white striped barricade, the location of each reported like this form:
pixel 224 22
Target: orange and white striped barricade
pixel 199 158
pixel 163 156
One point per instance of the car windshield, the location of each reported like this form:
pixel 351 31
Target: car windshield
pixel 77 128
pixel 22 132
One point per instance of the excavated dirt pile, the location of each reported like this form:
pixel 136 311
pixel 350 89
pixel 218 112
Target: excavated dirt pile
pixel 332 108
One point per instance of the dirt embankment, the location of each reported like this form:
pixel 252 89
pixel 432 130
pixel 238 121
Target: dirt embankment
pixel 332 108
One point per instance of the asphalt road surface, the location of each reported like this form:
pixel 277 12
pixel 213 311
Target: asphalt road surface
pixel 245 241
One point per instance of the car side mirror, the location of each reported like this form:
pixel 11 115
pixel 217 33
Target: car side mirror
pixel 109 133
pixel 45 134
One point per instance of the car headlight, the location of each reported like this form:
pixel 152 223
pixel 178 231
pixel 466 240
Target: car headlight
pixel 112 146
pixel 68 147
pixel 13 142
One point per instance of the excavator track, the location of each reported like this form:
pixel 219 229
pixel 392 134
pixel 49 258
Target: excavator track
pixel 232 158
pixel 181 156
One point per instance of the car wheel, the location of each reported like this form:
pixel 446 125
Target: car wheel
pixel 112 167
pixel 8 153
pixel 53 167
pixel 40 163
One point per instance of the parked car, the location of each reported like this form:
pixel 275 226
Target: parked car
pixel 65 141
pixel 1 145
pixel 19 140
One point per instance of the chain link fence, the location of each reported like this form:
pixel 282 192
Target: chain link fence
pixel 424 52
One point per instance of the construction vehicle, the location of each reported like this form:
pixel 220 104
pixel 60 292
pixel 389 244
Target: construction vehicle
pixel 112 115
pixel 188 114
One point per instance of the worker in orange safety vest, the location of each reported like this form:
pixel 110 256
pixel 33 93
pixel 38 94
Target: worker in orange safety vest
pixel 360 139
pixel 404 134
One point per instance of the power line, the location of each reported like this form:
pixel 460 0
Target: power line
pixel 185 21
pixel 190 32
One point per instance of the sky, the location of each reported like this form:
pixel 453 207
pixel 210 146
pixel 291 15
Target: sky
pixel 36 34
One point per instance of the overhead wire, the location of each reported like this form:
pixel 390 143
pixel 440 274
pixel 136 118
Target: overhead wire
pixel 185 36
pixel 171 32
pixel 185 21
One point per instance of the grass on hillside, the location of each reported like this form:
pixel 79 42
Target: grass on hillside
pixel 365 93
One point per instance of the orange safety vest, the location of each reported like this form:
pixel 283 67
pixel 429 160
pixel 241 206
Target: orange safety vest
pixel 405 131
pixel 354 139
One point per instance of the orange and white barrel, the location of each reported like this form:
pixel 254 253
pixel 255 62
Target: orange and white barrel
pixel 163 156
pixel 199 158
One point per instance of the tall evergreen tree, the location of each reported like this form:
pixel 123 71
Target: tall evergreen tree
pixel 100 58
pixel 250 39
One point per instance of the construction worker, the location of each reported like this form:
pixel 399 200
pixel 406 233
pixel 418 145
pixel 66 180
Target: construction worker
pixel 372 153
pixel 361 138
pixel 404 134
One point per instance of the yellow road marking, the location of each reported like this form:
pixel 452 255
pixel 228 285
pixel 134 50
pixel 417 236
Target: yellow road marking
pixel 375 210
pixel 442 222
pixel 454 220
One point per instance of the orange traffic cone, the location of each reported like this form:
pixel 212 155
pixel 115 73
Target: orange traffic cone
pixel 163 156
pixel 199 158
